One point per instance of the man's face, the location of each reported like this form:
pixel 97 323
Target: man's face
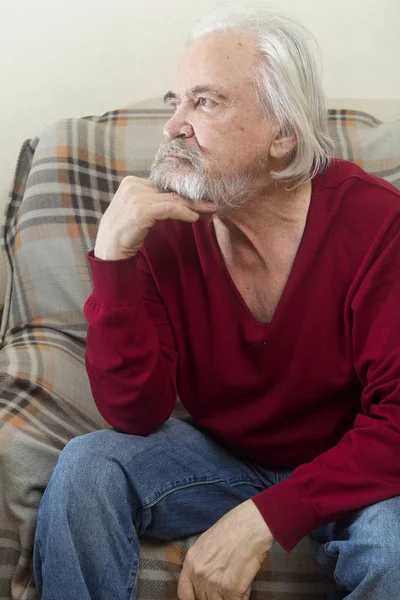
pixel 217 142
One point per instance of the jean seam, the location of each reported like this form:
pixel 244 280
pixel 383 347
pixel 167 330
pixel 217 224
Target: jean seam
pixel 197 483
pixel 135 579
pixel 247 482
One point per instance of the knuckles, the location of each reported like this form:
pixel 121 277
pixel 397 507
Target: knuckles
pixel 127 183
pixel 224 583
pixel 129 179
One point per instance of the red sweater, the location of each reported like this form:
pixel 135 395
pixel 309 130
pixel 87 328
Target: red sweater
pixel 316 390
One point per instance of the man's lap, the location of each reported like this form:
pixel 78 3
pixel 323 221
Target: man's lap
pixel 185 481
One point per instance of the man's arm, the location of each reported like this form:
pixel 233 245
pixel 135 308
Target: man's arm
pixel 130 356
pixel 364 467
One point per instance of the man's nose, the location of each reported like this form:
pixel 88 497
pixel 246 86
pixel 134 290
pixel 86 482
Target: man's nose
pixel 178 126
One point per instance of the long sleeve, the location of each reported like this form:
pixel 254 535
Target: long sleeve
pixel 131 357
pixel 364 467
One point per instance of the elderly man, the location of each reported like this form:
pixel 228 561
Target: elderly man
pixel 260 280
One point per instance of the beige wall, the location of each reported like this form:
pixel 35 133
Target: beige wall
pixel 64 58
pixel 72 57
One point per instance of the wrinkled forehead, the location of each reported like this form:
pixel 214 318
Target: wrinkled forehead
pixel 227 59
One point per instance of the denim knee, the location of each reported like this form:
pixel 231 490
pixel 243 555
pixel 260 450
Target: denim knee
pixel 88 506
pixel 85 454
pixel 368 548
pixel 381 524
pixel 88 465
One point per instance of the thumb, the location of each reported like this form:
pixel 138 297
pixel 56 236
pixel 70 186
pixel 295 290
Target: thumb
pixel 185 587
pixel 247 593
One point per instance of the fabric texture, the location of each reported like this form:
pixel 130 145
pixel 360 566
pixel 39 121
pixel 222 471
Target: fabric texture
pixel 64 180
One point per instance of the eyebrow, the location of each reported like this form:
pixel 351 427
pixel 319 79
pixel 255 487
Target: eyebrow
pixel 196 91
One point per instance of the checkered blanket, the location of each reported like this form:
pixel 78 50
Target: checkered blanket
pixel 63 183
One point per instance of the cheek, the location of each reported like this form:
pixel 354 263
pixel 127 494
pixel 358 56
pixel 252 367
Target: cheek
pixel 217 138
pixel 231 142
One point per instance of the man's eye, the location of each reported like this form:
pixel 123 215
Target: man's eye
pixel 205 102
pixel 174 106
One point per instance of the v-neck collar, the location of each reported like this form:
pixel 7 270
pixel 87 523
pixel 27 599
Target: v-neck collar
pixel 304 255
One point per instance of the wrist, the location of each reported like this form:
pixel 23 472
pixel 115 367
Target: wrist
pixel 262 533
pixel 109 256
pixel 110 253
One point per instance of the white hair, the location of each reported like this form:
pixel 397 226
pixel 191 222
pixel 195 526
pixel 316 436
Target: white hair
pixel 288 84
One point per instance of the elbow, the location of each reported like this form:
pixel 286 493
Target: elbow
pixel 134 418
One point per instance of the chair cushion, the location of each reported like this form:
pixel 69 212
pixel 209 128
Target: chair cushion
pixel 373 145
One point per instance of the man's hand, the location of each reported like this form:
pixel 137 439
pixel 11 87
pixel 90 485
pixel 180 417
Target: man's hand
pixel 223 562
pixel 136 206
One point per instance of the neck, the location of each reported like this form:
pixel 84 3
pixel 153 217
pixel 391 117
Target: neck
pixel 275 209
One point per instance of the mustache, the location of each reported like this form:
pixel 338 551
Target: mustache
pixel 181 150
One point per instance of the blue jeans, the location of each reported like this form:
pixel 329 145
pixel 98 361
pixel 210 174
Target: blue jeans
pixel 109 488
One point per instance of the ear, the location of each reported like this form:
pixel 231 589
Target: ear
pixel 282 145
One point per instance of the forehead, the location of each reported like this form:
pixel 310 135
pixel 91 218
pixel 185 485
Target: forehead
pixel 225 59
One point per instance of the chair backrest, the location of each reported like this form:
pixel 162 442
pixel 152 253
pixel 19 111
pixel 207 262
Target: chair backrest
pixel 65 180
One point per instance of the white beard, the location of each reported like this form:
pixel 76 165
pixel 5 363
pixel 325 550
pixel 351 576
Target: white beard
pixel 196 184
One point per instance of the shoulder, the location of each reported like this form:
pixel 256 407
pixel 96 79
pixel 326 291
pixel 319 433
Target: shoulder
pixel 356 195
pixel 345 176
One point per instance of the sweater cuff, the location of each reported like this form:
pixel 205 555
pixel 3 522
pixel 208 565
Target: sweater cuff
pixel 115 281
pixel 288 512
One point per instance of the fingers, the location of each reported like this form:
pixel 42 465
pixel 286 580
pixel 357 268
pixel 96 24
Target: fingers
pixel 201 207
pixel 185 587
pixel 173 210
pixel 131 183
pixel 247 593
pixel 141 180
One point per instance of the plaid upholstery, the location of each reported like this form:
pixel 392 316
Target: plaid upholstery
pixel 64 181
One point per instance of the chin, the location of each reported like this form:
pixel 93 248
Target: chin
pixel 187 184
